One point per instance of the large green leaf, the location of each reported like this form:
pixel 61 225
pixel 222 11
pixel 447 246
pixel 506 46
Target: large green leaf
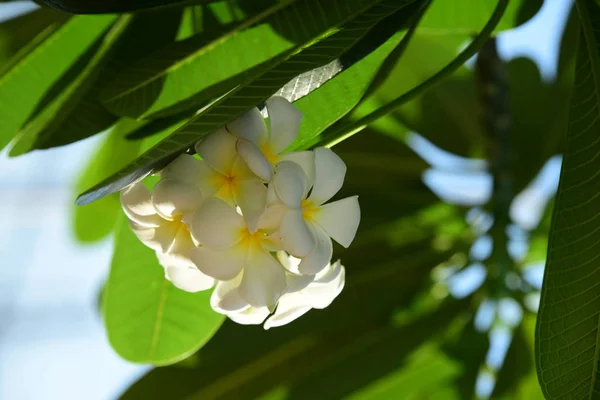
pixel 452 17
pixel 147 318
pixel 25 83
pixel 71 111
pixel 377 110
pixel 16 33
pixel 189 73
pixel 236 102
pixel 39 131
pixel 567 347
pixel 112 6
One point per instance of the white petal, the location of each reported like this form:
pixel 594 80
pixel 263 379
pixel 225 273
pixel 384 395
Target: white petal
pixel 290 183
pixel 263 281
pixel 320 257
pixel 330 171
pixel 271 218
pixel 290 307
pixel 306 161
pixel 295 283
pixel 284 122
pixel 289 262
pixel 217 225
pixel 250 316
pixel 255 159
pixel 251 197
pixel 250 126
pixel 160 238
pixel 175 198
pixel 220 264
pixel 322 294
pixel 329 273
pixel 226 298
pixel 136 201
pixel 209 180
pixel 184 168
pixel 271 195
pixel 340 219
pixel 218 150
pixel 241 171
pixel 189 279
pixel 296 236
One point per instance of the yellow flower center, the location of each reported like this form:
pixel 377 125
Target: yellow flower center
pixel 269 153
pixel 254 240
pixel 309 210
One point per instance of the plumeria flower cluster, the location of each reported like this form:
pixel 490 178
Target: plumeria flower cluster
pixel 250 219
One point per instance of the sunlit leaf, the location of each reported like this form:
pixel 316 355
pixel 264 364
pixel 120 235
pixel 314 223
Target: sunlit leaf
pixel 236 102
pixel 24 84
pixel 149 320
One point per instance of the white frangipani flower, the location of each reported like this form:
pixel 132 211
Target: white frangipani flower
pixel 301 296
pixel 308 225
pixel 261 148
pixel 225 175
pixel 214 220
pixel 170 239
pixel 230 250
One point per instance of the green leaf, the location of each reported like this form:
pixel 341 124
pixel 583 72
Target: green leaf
pixel 317 355
pixel 186 75
pixel 26 82
pixel 16 33
pixel 236 102
pixel 147 318
pixel 113 6
pixel 567 347
pixel 349 126
pixel 40 132
pixel 97 220
pixel 75 112
pixel 451 17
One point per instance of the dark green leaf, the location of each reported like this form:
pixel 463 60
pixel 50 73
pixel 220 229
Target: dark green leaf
pixel 16 33
pixel 236 102
pixel 26 82
pixel 147 318
pixel 567 348
pixel 112 6
pixel 376 111
pixel 39 131
pixel 72 111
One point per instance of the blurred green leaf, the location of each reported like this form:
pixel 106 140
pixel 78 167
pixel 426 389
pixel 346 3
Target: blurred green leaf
pixel 149 320
pixel 567 332
pixel 317 354
pixel 25 83
pixel 17 33
pixel 377 110
pixel 236 102
pixel 452 17
pixel 517 378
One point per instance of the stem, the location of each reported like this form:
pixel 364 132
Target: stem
pixel 492 85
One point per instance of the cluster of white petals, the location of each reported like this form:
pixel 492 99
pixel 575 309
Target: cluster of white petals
pixel 250 220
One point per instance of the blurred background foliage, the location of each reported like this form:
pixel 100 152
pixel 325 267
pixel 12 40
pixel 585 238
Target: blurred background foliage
pixel 437 304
